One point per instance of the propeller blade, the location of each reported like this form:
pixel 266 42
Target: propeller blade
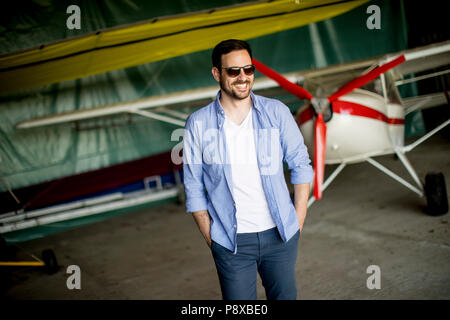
pixel 362 80
pixel 293 88
pixel 320 130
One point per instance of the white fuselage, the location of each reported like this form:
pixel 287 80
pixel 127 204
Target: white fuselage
pixel 363 125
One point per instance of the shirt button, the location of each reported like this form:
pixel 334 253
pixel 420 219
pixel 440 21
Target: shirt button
pixel 234 226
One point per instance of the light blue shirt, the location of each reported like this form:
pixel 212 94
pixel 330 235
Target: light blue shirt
pixel 207 171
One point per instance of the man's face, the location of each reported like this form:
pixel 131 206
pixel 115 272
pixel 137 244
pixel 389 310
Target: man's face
pixel 236 87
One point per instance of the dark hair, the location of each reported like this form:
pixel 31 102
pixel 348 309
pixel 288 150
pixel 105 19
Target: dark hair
pixel 227 46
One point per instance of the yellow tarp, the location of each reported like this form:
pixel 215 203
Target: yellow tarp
pixel 158 39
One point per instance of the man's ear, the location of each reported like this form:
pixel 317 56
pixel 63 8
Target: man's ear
pixel 216 73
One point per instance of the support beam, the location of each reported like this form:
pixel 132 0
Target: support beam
pixel 394 176
pixel 332 176
pixel 425 137
pixel 409 168
pixel 159 117
pixel 425 76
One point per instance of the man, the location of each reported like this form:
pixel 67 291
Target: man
pixel 234 181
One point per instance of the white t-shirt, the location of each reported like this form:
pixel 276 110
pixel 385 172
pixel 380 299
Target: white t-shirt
pixel 252 211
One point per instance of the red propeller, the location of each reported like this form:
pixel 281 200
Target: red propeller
pixel 320 128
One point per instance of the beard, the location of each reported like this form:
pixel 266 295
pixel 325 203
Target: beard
pixel 233 93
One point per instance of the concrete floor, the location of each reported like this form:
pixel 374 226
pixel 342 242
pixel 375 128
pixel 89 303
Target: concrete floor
pixel 365 218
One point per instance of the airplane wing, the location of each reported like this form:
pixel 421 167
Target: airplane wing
pixel 424 58
pixel 425 101
pixel 329 77
pixel 417 60
pixel 168 103
pixel 158 39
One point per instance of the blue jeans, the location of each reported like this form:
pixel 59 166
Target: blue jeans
pixel 263 252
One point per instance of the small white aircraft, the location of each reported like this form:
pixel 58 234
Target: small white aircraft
pixel 352 124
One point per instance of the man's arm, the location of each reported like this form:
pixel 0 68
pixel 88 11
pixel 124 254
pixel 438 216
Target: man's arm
pixel 301 193
pixel 297 159
pixel 204 223
pixel 196 201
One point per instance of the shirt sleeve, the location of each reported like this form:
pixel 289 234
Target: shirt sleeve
pixel 192 169
pixel 294 149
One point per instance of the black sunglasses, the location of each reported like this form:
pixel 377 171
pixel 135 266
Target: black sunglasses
pixel 235 71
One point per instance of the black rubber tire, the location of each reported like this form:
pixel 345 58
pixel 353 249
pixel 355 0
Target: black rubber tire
pixel 436 194
pixel 49 258
pixel 3 249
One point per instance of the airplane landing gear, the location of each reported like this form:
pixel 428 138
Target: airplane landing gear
pixel 7 254
pixel 436 194
pixel 49 258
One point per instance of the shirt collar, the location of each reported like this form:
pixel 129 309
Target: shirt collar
pixel 221 112
pixel 218 106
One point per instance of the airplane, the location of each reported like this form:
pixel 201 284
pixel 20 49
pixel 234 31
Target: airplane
pixel 367 108
pixel 373 109
pixel 352 124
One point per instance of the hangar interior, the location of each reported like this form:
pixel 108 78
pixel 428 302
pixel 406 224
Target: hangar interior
pixel 135 251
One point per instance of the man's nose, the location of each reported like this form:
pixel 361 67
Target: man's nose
pixel 241 74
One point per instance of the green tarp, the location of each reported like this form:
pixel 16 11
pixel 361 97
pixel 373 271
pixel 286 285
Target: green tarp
pixel 36 155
